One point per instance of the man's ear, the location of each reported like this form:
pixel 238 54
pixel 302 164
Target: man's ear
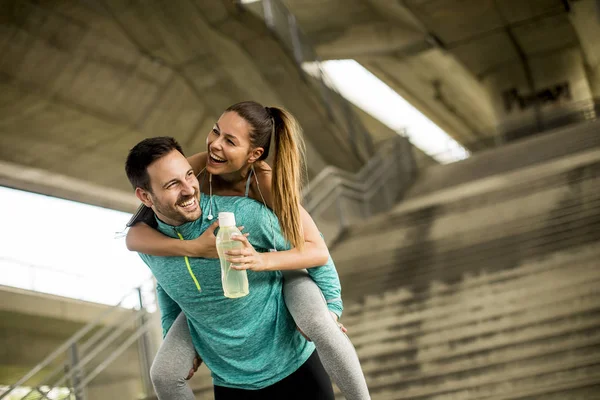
pixel 255 154
pixel 144 197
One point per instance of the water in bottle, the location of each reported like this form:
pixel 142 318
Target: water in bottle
pixel 235 283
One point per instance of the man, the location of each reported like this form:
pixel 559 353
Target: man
pixel 250 344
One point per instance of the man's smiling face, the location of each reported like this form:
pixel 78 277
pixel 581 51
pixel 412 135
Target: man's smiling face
pixel 175 193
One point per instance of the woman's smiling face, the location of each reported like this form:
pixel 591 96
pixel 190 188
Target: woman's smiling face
pixel 228 144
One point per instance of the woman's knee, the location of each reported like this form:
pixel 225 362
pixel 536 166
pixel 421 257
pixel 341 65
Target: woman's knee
pixel 163 375
pixel 305 302
pixel 316 323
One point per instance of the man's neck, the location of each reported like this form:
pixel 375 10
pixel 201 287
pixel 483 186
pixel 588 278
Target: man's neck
pixel 168 221
pixel 171 222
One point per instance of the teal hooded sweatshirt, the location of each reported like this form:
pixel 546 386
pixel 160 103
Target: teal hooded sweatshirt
pixel 249 342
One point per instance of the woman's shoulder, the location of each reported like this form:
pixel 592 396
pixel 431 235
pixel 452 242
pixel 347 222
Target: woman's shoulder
pixel 264 176
pixel 264 172
pixel 262 168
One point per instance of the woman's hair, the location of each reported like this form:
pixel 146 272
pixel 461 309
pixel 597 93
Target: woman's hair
pixel 288 162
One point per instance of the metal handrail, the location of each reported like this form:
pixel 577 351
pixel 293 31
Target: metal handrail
pixel 353 187
pixel 76 337
pixel 384 174
pixel 91 341
pixel 135 336
pixel 90 356
pixel 348 177
pixel 374 162
pixel 359 180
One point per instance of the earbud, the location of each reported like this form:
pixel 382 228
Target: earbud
pixel 209 217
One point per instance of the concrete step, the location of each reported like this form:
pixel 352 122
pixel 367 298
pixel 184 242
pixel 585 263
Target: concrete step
pixel 541 360
pixel 585 312
pixel 446 266
pixel 413 212
pixel 575 389
pixel 514 156
pixel 395 321
pixel 501 386
pixel 351 256
pixel 487 357
pixel 438 292
pixel 438 223
pixel 416 267
pixel 491 190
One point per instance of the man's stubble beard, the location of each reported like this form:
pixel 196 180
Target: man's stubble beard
pixel 172 213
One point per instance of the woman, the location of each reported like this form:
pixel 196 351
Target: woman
pixel 234 165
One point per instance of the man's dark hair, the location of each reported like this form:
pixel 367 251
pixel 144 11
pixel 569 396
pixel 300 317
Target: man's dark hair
pixel 145 153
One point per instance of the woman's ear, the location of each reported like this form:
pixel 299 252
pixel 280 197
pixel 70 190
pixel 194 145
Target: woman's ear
pixel 255 154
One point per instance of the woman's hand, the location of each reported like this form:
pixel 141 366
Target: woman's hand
pixel 194 369
pixel 336 319
pixel 205 245
pixel 246 257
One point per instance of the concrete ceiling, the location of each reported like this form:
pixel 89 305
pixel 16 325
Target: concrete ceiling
pixel 456 59
pixel 82 81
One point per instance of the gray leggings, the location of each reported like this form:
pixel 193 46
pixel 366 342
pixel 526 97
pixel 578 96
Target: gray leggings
pixel 305 302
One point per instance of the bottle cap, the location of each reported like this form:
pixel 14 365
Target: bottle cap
pixel 226 219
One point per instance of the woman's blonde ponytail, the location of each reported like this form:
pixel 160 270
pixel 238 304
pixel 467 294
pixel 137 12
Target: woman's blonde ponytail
pixel 288 174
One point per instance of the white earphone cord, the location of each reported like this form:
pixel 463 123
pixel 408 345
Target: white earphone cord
pixel 210 216
pixel 265 204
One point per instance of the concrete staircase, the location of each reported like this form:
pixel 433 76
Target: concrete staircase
pixel 488 289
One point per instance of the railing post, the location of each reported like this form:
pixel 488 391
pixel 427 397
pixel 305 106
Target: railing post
pixel 405 151
pixel 145 358
pixel 268 12
pixel 77 375
pixel 340 209
pixel 325 94
pixel 366 205
pixel 389 200
pixel 296 44
pixel 351 129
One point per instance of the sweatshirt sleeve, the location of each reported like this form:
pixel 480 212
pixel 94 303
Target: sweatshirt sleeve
pixel 327 279
pixel 169 309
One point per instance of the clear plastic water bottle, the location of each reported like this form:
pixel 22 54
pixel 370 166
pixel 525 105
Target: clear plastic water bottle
pixel 235 283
